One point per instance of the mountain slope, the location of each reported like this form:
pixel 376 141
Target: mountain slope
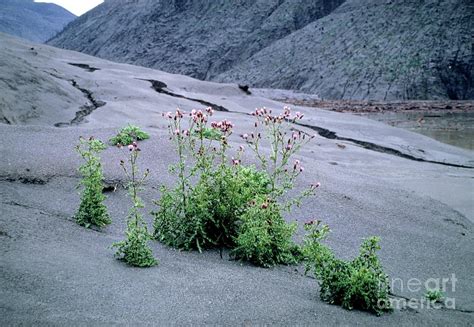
pixel 371 50
pixel 32 21
pixel 338 49
pixel 196 38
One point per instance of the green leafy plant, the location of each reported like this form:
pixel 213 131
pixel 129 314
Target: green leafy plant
pixel 434 295
pixel 284 143
pixel 357 284
pixel 129 134
pixel 211 134
pixel 264 237
pixel 181 219
pixel 135 250
pixel 92 210
pixel 212 213
pixel 211 203
pixel 204 214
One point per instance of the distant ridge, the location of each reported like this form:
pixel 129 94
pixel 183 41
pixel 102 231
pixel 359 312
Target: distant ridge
pixel 32 21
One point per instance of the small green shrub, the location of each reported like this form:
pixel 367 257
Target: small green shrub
pixel 186 214
pixel 213 206
pixel 129 134
pixel 134 250
pixel 434 295
pixel 230 190
pixel 264 237
pixel 180 225
pixel 358 284
pixel 92 210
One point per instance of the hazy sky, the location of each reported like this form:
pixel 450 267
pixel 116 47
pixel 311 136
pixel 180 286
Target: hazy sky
pixel 77 7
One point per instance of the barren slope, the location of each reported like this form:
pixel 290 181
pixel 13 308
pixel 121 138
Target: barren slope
pixel 55 272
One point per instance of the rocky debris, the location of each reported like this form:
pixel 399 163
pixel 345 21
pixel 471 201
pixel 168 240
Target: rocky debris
pixel 352 49
pixel 362 106
pixel 33 21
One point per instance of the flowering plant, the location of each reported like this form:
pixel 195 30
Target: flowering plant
pixel 219 201
pixel 284 143
pixel 264 237
pixel 204 214
pixel 135 250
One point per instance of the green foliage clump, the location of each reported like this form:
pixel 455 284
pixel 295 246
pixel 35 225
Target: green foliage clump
pixel 92 210
pixel 357 284
pixel 264 237
pixel 134 250
pixel 434 295
pixel 211 134
pixel 211 203
pixel 128 135
pixel 209 215
pixel 181 224
pixel 229 192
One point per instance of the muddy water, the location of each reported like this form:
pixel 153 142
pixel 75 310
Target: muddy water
pixel 455 128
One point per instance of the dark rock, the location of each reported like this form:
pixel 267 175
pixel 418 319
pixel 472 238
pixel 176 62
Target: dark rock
pixel 245 89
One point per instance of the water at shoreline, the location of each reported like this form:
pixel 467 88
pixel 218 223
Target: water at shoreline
pixel 454 128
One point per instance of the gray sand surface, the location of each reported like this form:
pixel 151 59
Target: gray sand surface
pixel 414 192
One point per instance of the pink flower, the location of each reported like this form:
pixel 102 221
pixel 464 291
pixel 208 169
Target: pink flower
pixel 296 164
pixel 225 126
pixel 176 132
pixel 299 115
pixel 209 111
pixel 179 113
pixel 130 147
pixel 315 186
pixel 198 116
pixel 289 147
